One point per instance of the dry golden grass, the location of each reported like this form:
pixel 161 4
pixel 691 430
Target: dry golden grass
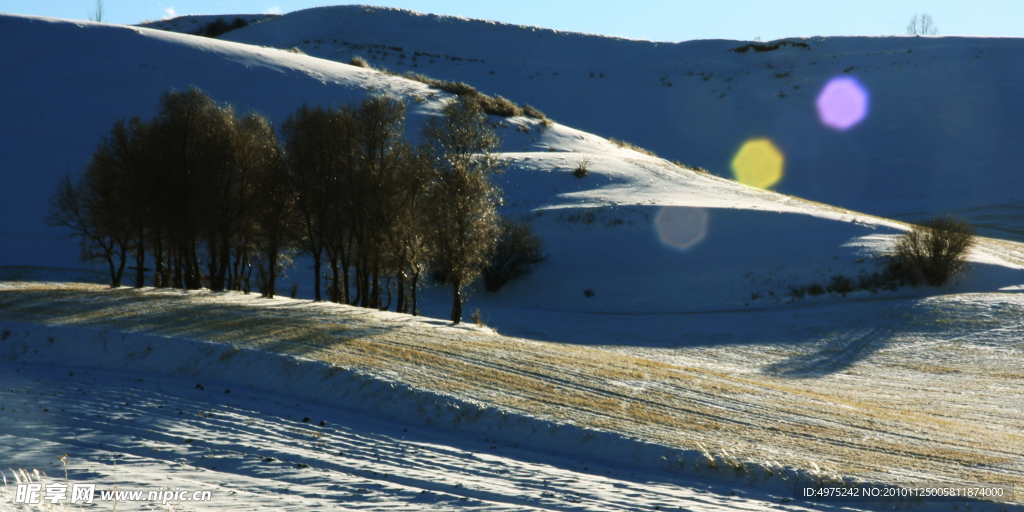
pixel 926 368
pixel 625 145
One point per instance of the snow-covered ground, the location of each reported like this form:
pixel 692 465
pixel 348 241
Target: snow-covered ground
pixel 898 391
pixel 252 451
pixel 661 343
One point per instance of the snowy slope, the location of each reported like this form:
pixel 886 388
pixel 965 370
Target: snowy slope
pixel 753 401
pixel 246 448
pixel 718 245
pixel 74 79
pixel 687 274
pixel 942 132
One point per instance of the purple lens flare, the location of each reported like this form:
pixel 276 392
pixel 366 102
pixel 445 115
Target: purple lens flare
pixel 843 103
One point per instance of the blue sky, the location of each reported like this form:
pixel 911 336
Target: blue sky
pixel 663 20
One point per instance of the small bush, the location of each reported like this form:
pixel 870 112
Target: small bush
pixel 219 27
pixel 888 279
pixel 815 290
pixel 841 284
pixel 457 88
pixel 900 271
pixel 588 293
pixel 476 318
pixel 359 62
pixel 936 249
pixel 518 252
pixel 497 106
pixel 582 168
pixel 530 111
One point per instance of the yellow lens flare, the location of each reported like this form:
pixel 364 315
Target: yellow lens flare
pixel 758 163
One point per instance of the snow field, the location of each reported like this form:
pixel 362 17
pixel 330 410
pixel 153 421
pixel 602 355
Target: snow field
pixel 688 363
pixel 926 394
pixel 253 451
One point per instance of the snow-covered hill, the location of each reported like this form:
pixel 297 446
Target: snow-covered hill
pixel 942 131
pixel 685 279
pixel 639 234
pixel 72 80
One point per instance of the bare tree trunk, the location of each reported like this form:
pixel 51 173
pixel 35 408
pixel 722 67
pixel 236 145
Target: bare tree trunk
pixel 356 301
pixel 316 268
pixel 195 274
pixel 247 272
pixel 114 283
pixel 272 276
pixel 230 278
pixel 222 270
pixel 345 298
pixel 159 280
pixel 375 287
pixel 123 261
pixel 179 277
pixel 457 302
pixel 211 265
pixel 335 291
pixel 346 261
pixel 140 261
pixel 364 285
pixel 415 282
pixel 400 307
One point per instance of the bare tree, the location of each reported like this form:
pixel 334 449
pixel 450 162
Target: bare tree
pixel 97 14
pixel 462 200
pixel 108 208
pixel 125 153
pixel 922 26
pixel 194 162
pixel 379 193
pixel 91 210
pixel 310 158
pixel 267 215
pixel 410 241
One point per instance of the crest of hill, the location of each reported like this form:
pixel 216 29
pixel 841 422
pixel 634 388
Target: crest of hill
pixel 941 134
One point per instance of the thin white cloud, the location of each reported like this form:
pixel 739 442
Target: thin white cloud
pixel 169 13
pixel 274 10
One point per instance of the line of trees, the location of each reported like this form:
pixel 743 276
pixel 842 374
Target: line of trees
pixel 220 200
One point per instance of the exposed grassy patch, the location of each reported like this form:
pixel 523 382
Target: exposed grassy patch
pixel 493 105
pixel 769 47
pixel 625 145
